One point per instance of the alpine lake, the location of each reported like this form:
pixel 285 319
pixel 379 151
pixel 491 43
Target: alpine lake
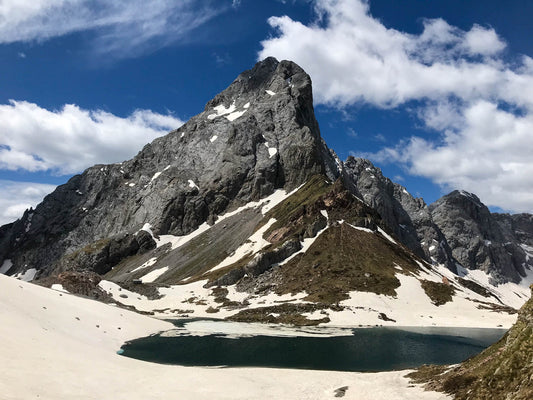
pixel 214 343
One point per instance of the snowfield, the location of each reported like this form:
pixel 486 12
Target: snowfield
pixel 59 346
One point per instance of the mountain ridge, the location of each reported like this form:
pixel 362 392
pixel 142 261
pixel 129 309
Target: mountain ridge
pixel 256 139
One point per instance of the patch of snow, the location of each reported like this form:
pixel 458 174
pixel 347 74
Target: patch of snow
pixel 59 287
pixel 213 138
pixel 6 266
pixel 488 242
pixel 192 184
pixel 252 246
pixel 153 275
pixel 167 167
pixel 360 228
pixel 230 113
pixel 431 248
pixel 78 192
pixel 27 276
pixel 276 198
pixel 222 110
pixel 147 264
pixel 387 236
pixel 131 184
pixel 156 175
pixel 270 92
pixel 247 105
pixel 272 151
pixel 267 203
pixel 177 241
pixel 234 115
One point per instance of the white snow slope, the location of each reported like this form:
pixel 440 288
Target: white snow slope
pixel 59 346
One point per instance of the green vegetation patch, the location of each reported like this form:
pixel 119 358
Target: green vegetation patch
pixel 439 293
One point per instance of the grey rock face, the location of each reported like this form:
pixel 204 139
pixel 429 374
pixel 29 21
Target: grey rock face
pixel 520 224
pixel 258 135
pixel 479 239
pixel 456 229
pixel 408 217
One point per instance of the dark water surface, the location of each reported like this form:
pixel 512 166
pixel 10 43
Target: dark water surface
pixel 362 349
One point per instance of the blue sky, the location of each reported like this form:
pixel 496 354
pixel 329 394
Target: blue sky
pixel 439 94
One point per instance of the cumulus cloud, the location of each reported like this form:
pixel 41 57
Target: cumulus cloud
pixel 69 140
pixel 19 196
pixel 490 155
pixel 119 28
pixel 480 105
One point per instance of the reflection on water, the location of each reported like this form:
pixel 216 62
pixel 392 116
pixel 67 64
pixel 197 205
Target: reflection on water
pixel 210 343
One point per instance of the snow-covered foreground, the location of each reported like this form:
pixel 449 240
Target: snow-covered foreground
pixel 59 346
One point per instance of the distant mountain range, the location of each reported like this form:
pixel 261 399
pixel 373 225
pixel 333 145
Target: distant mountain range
pixel 244 211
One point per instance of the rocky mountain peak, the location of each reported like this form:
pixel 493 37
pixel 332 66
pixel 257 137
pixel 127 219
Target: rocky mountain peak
pixel 266 77
pixel 479 239
pixel 258 135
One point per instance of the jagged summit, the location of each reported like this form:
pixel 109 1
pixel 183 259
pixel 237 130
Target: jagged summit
pixel 258 135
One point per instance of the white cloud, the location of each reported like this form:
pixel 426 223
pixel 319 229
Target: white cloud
pixel 120 28
pixel 464 89
pixel 483 41
pixel 19 196
pixel 71 139
pixel 355 58
pixel 489 155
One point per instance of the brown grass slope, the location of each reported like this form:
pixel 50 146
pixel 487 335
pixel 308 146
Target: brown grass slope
pixel 342 259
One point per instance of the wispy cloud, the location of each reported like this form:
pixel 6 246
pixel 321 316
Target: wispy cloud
pixel 119 28
pixel 71 139
pixel 19 196
pixel 464 88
